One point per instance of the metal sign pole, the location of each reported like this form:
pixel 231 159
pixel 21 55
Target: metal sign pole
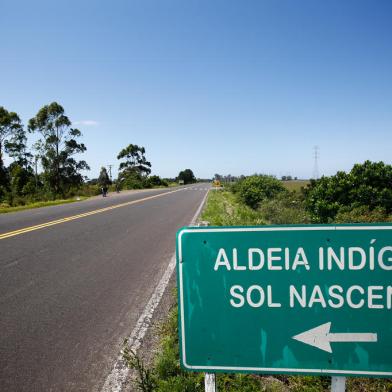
pixel 338 384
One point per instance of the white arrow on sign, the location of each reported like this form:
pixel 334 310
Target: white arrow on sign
pixel 321 338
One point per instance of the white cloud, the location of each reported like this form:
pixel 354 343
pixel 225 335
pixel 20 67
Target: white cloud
pixel 87 123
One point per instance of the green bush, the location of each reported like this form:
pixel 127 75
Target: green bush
pixel 361 215
pixel 368 184
pixel 132 181
pixel 234 187
pixel 285 208
pixel 309 383
pixel 255 189
pixel 154 181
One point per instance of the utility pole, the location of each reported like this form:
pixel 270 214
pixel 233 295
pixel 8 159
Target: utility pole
pixel 36 173
pixel 110 171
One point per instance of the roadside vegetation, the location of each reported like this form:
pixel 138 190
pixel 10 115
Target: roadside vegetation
pixel 56 149
pixel 48 169
pixel 362 195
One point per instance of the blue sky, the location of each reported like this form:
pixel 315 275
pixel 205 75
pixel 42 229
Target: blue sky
pixel 216 86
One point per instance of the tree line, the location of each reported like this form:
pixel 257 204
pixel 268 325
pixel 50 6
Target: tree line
pixel 363 194
pixel 56 151
pixel 134 172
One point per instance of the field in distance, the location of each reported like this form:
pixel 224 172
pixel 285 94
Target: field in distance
pixel 295 185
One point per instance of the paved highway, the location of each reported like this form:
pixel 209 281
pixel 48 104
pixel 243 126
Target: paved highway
pixel 74 280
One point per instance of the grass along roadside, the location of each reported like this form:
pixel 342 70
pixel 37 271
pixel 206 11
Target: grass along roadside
pixel 4 208
pixel 223 209
pixel 165 373
pixel 40 204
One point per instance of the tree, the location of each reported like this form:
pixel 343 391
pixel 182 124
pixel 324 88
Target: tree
pixel 57 146
pixel 21 173
pixel 187 176
pixel 255 189
pixel 22 180
pixel 10 126
pixel 4 181
pixel 103 179
pixel 155 181
pixel 16 148
pixel 135 161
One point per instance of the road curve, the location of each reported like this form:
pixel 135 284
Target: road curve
pixel 70 292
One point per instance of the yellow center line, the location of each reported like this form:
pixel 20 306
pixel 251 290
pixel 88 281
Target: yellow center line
pixel 79 216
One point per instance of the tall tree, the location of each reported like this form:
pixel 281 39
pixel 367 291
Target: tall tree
pixel 21 172
pixel 135 162
pixel 10 127
pixel 57 146
pixel 16 148
pixel 187 176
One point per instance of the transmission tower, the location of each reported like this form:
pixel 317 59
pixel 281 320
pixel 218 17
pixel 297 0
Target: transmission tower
pixel 316 156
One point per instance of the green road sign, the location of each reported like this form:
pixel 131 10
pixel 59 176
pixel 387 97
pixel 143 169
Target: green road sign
pixel 286 299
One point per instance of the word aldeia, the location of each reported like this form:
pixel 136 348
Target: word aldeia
pixel 278 259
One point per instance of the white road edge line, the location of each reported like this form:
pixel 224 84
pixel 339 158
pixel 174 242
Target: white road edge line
pixel 117 377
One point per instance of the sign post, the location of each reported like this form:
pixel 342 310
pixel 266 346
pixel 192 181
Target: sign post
pixel 209 382
pixel 311 299
pixel 338 384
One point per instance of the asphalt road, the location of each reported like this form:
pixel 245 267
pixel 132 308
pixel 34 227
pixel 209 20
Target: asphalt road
pixel 70 292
